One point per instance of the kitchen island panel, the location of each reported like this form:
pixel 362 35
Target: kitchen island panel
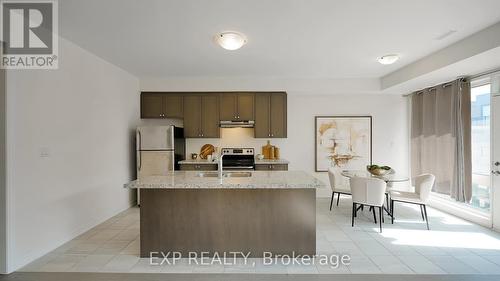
pixel 280 221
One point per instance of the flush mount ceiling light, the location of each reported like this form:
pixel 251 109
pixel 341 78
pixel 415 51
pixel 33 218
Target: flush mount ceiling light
pixel 231 40
pixel 388 59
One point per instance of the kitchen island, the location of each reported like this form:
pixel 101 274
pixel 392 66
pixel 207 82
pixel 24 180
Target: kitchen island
pixel 252 212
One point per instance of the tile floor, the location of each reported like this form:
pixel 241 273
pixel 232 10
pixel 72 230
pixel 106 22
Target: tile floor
pixel 452 246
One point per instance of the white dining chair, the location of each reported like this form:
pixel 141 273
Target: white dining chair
pixel 370 192
pixel 337 185
pixel 423 186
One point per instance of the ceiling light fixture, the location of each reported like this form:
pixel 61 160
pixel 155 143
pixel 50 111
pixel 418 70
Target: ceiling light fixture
pixel 231 40
pixel 388 59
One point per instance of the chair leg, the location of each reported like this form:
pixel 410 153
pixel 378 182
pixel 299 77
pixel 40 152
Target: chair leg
pixel 392 211
pixel 374 216
pixel 380 214
pixel 353 212
pixel 331 201
pixel 387 200
pixel 426 219
pixel 338 198
pixel 422 212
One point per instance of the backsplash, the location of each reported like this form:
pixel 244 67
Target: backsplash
pixel 234 137
pixel 230 137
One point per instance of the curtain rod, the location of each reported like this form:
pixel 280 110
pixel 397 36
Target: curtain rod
pixel 444 85
pixel 465 77
pixel 484 73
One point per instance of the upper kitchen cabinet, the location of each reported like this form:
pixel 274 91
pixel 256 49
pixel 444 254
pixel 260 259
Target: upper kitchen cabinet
pixel 236 106
pixel 174 105
pixel 152 105
pixel 201 118
pixel 161 105
pixel 270 115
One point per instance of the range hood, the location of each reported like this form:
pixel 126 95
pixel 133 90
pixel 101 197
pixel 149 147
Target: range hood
pixel 237 124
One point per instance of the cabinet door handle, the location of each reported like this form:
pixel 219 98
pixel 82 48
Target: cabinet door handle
pixel 497 164
pixel 139 139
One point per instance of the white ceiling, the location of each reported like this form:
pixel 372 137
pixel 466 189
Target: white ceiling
pixel 287 38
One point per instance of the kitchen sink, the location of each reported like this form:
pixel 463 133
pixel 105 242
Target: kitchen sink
pixel 225 174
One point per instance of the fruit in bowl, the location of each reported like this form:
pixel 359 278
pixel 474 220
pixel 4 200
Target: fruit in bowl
pixel 377 170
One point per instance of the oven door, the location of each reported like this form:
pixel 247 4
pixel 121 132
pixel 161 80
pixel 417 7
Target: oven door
pixel 238 162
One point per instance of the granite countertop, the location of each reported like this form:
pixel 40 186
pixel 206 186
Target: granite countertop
pixel 257 161
pixel 271 161
pixel 197 161
pixel 259 179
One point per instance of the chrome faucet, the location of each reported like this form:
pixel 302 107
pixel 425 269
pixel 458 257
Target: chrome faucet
pixel 220 166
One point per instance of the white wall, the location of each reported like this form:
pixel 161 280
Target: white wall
pixel 390 122
pixel 82 115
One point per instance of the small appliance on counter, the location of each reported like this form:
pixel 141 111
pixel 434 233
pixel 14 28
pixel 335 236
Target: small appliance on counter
pixel 270 151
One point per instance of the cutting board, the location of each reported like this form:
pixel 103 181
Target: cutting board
pixel 206 149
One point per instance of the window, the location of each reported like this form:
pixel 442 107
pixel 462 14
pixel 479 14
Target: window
pixel 480 144
pixel 486 110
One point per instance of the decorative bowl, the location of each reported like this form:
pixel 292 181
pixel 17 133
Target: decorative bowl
pixel 378 170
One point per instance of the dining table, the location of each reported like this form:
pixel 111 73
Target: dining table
pixel 390 178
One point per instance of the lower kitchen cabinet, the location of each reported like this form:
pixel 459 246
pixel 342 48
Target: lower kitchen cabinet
pixel 198 167
pixel 271 167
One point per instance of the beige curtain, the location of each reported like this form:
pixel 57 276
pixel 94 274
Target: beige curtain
pixel 441 137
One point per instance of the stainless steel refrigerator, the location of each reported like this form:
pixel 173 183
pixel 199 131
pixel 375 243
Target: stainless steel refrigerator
pixel 159 149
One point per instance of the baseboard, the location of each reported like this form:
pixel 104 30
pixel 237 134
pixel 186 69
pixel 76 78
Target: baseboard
pixel 77 233
pixel 463 212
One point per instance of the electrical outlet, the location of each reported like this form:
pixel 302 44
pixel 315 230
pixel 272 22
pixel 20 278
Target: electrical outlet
pixel 44 152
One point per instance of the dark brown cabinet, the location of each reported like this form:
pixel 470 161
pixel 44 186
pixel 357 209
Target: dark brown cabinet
pixel 198 167
pixel 270 115
pixel 161 105
pixel 236 106
pixel 201 116
pixel 174 106
pixel 192 116
pixel 151 105
pixel 202 112
pixel 210 116
pixel 271 167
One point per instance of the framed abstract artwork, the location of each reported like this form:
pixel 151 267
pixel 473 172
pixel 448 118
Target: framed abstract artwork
pixel 343 142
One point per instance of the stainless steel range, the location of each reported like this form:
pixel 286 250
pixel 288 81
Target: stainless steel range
pixel 238 159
